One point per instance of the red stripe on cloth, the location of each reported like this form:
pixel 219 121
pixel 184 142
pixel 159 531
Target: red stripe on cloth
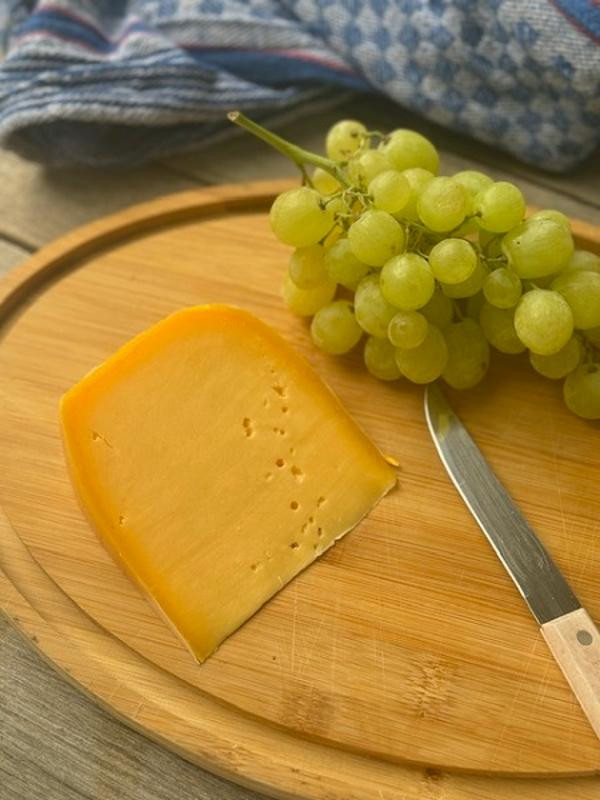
pixel 575 23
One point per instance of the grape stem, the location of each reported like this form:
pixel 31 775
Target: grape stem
pixel 375 134
pixel 298 155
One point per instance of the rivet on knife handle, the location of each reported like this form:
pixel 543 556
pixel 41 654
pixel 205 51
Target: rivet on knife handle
pixel 574 642
pixel 567 628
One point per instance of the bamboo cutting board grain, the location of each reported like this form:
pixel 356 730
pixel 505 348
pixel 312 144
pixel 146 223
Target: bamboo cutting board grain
pixel 404 644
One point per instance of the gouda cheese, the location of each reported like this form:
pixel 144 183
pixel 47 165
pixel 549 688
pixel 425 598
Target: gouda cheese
pixel 215 465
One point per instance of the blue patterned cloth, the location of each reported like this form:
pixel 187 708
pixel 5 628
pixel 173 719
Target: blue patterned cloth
pixel 120 81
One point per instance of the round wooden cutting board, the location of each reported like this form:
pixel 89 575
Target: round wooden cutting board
pixel 404 656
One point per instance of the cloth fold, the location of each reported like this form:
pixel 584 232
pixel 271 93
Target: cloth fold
pixel 120 81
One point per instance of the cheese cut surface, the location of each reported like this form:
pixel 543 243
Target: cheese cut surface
pixel 215 465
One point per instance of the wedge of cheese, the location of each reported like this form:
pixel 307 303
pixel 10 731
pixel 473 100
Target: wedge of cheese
pixel 215 465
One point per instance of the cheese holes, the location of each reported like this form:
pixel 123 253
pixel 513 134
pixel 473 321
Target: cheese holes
pixel 97 437
pixel 294 505
pixel 294 545
pixel 297 473
pixel 280 390
pixel 247 426
pixel 320 501
pixel 280 463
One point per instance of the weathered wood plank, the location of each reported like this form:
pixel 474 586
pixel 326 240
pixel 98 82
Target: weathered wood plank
pixel 11 255
pixel 57 745
pixel 37 205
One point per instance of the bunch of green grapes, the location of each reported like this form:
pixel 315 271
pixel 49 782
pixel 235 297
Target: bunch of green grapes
pixel 427 272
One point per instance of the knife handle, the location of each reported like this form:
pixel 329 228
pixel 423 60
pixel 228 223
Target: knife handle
pixel 574 641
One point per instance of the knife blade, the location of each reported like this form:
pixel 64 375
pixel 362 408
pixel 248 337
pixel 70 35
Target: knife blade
pixel 567 628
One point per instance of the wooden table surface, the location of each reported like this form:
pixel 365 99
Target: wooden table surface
pixel 55 744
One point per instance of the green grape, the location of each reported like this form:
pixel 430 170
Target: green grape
pixel 560 364
pixel 584 259
pixel 343 266
pixel 473 181
pixel 439 311
pixel 335 204
pixel 500 207
pixel 324 182
pixel 593 335
pixel 298 217
pixel 344 139
pixel 307 268
pixel 380 359
pixel 425 363
pixel 442 204
pixel 469 287
pixel 502 288
pixel 306 302
pixel 453 260
pixel 390 191
pixel 581 391
pixel 334 328
pixel 372 310
pixel 543 321
pixel 363 167
pixel 468 354
pixel 538 247
pixel 407 281
pixel 498 327
pixel 581 290
pixel 408 149
pixel 375 237
pixel 556 216
pixel 474 305
pixel 407 329
pixel 417 180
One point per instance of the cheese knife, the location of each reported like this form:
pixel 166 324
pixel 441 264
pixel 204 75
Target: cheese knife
pixel 567 628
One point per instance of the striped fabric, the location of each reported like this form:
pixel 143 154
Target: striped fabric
pixel 120 81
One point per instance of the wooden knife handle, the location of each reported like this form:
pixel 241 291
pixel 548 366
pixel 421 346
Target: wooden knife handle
pixel 574 642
